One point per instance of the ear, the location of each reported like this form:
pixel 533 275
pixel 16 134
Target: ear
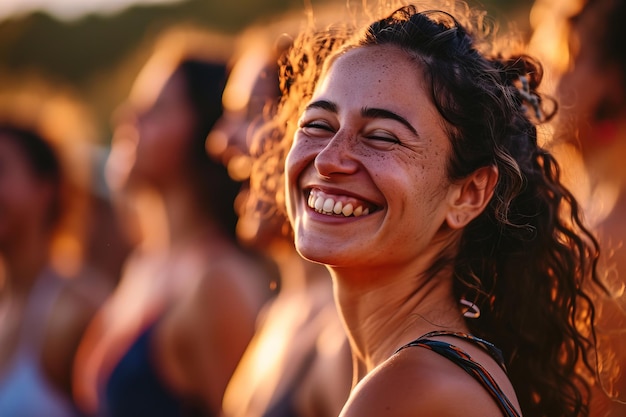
pixel 471 196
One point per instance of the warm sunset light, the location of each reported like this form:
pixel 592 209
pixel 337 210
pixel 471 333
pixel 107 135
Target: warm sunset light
pixel 312 208
pixel 70 9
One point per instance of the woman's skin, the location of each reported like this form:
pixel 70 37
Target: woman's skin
pixel 367 141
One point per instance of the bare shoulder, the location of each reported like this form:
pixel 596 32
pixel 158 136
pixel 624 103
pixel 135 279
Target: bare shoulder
pixel 234 283
pixel 204 335
pixel 214 304
pixel 420 382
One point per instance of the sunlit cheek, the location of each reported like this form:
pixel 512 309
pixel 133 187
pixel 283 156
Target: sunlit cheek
pixel 291 178
pixel 301 154
pixel 299 159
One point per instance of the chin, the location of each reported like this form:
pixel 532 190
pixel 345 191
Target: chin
pixel 326 254
pixel 313 253
pixel 313 249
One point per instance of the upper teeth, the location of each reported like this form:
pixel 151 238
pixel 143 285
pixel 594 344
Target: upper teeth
pixel 327 205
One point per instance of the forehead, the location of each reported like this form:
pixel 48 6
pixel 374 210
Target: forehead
pixel 384 77
pixel 380 72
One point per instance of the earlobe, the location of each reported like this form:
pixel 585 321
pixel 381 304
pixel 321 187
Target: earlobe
pixel 472 196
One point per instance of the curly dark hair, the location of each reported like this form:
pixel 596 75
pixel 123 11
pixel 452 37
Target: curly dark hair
pixel 44 162
pixel 523 261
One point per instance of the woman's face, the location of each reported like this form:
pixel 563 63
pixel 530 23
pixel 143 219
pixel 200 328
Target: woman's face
pixel 234 132
pixel 367 183
pixel 25 199
pixel 164 129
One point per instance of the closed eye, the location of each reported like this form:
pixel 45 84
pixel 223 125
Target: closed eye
pixel 316 127
pixel 384 138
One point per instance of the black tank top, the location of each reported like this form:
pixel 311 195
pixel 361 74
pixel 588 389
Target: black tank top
pixel 463 359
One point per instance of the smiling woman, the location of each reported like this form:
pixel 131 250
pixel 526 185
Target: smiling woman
pixel 352 146
pixel 407 149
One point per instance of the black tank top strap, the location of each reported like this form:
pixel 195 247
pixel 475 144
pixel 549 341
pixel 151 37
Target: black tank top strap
pixel 493 351
pixel 465 361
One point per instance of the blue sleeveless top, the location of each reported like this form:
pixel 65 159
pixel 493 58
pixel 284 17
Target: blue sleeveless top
pixel 464 360
pixel 25 390
pixel 135 388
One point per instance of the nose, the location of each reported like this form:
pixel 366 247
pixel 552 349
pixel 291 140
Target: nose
pixel 337 157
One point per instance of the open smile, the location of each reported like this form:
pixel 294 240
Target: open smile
pixel 339 205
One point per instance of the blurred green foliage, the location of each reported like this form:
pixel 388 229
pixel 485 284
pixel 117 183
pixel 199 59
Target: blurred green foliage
pixel 86 53
pixel 74 50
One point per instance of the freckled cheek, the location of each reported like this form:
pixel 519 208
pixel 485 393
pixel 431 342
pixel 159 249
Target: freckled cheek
pixel 301 155
pixel 421 183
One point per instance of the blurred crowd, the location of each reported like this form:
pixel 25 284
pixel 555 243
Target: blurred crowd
pixel 139 278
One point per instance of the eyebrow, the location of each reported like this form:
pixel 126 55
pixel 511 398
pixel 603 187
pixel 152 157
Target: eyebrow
pixel 375 113
pixel 368 112
pixel 324 105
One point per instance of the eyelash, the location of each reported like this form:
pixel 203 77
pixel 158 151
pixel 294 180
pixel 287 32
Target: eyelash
pixel 316 125
pixel 385 139
pixel 327 128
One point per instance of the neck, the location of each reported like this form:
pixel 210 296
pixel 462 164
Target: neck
pixel 149 211
pixel 383 314
pixel 185 219
pixel 169 217
pixel 298 274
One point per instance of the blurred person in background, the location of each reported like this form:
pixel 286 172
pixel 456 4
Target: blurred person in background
pixel 48 290
pixel 593 99
pixel 581 43
pixel 298 363
pixel 169 338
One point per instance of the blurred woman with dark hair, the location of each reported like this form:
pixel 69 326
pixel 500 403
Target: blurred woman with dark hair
pixel 170 337
pixel 44 306
pixel 593 93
